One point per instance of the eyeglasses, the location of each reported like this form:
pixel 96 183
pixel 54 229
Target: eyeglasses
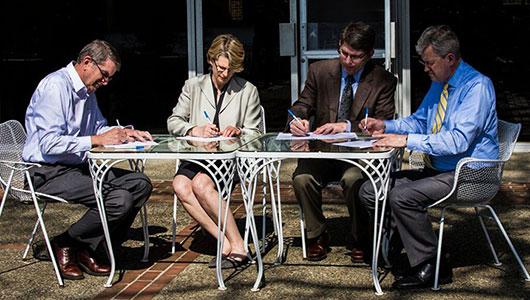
pixel 430 63
pixel 355 58
pixel 105 74
pixel 221 69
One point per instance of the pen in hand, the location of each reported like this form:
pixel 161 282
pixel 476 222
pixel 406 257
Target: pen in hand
pixel 365 119
pixel 207 117
pixel 296 118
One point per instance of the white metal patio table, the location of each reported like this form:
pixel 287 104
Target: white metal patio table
pixel 218 158
pixel 268 152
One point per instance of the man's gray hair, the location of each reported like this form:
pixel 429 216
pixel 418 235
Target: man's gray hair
pixel 442 39
pixel 100 51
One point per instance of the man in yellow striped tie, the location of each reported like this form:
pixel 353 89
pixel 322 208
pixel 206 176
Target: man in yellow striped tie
pixel 456 119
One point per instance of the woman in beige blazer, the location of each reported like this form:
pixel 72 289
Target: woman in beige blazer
pixel 232 107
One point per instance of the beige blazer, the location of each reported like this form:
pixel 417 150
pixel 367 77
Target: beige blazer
pixel 241 106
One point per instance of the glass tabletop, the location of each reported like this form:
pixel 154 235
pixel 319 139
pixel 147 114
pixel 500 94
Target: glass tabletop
pixel 169 144
pixel 269 143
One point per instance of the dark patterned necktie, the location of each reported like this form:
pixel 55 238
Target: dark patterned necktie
pixel 346 100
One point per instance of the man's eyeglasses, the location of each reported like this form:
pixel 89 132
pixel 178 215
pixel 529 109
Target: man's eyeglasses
pixel 430 63
pixel 355 58
pixel 105 74
pixel 221 69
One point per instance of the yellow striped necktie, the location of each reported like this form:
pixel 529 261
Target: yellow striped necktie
pixel 440 110
pixel 437 124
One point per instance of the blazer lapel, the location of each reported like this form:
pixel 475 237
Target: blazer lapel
pixel 363 90
pixel 334 91
pixel 232 89
pixel 206 89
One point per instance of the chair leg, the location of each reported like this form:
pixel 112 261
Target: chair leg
pixel 6 191
pixel 145 228
pixel 515 254
pixel 302 231
pixel 44 232
pixel 264 208
pixel 436 285
pixel 174 224
pixel 277 207
pixel 34 232
pixel 488 239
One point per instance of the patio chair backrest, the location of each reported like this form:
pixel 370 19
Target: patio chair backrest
pixel 262 126
pixel 508 134
pixel 12 139
pixel 478 182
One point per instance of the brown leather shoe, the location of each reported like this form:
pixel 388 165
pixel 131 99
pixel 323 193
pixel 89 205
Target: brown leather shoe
pixel 357 255
pixel 90 265
pixel 318 248
pixel 67 260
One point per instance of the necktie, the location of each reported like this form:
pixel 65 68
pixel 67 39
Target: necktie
pixel 440 111
pixel 346 100
pixel 439 118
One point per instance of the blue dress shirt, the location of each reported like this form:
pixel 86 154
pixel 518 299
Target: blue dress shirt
pixel 60 119
pixel 469 128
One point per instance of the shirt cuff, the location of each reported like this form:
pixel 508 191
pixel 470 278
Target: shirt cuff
pixel 413 141
pixel 348 126
pixel 390 126
pixel 85 143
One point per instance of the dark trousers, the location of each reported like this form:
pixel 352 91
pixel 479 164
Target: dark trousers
pixel 410 193
pixel 124 193
pixel 311 176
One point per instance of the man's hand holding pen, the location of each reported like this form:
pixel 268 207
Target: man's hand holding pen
pixel 372 126
pixel 298 126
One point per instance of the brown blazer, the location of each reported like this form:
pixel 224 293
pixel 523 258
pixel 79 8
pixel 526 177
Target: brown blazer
pixel 320 97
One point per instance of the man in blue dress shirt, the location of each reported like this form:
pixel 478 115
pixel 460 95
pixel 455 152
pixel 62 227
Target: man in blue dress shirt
pixel 456 119
pixel 63 122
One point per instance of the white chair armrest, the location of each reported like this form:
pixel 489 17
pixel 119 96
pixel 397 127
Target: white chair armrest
pixel 465 162
pixel 19 165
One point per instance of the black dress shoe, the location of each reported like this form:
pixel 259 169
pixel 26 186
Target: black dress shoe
pixel 318 248
pixel 422 276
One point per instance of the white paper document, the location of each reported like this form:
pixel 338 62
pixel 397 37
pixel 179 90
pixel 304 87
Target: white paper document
pixel 357 144
pixel 314 136
pixel 133 145
pixel 206 139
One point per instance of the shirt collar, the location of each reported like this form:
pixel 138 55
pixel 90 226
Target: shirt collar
pixel 356 76
pixel 457 77
pixel 78 84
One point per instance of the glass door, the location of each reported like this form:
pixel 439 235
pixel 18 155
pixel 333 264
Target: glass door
pixel 255 24
pixel 318 26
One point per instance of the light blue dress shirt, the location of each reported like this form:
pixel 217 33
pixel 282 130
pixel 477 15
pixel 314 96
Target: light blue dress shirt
pixel 469 127
pixel 60 119
pixel 355 84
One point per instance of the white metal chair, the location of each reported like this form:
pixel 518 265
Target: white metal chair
pixel 13 171
pixel 476 183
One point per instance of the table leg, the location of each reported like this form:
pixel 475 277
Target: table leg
pixel 378 172
pixel 98 170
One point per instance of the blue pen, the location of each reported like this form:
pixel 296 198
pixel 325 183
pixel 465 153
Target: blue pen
pixel 207 117
pixel 365 117
pixel 140 147
pixel 295 117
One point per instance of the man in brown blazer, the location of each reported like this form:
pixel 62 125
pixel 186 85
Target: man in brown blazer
pixel 335 96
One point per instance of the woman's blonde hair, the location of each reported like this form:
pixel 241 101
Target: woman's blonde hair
pixel 230 47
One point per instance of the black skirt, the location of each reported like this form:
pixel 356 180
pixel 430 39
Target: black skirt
pixel 190 170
